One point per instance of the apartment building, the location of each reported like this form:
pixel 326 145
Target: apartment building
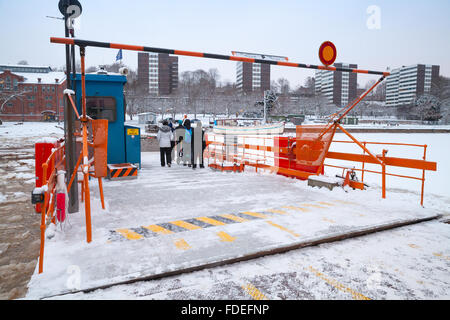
pixel 407 83
pixel 158 73
pixel 340 88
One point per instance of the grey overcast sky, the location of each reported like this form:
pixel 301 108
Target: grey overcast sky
pixel 407 32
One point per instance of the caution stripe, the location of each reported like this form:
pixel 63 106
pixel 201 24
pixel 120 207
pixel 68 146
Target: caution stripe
pixel 89 43
pixel 158 229
pixel 130 235
pixel 255 214
pixel 125 172
pixel 233 217
pixel 251 290
pixel 185 225
pixel 211 221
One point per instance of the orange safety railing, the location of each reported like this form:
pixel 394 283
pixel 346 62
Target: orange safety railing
pixel 418 164
pixel 48 185
pixel 94 167
pixel 235 155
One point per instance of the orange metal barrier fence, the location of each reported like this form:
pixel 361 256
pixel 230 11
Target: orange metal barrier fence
pixel 280 155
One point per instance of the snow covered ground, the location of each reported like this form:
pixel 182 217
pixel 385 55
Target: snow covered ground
pixel 269 211
pixel 405 263
pixel 176 218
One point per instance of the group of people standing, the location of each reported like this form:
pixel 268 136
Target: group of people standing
pixel 186 141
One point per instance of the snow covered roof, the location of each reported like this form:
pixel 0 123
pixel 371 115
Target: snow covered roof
pixel 25 68
pixel 46 78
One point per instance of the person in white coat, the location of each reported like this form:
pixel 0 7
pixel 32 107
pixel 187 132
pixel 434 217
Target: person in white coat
pixel 164 137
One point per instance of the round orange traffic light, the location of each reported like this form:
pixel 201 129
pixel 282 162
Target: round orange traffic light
pixel 327 53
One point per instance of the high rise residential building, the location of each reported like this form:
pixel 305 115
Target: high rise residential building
pixel 252 76
pixel 158 73
pixel 409 82
pixel 339 87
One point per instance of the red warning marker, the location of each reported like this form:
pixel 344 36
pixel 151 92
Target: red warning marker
pixel 327 53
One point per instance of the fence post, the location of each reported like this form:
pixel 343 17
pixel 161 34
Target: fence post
pixel 423 175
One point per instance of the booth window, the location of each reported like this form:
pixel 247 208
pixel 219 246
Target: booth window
pixel 101 108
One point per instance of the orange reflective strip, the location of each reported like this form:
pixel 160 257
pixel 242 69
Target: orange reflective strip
pixel 127 172
pixel 126 47
pixel 117 172
pixel 242 59
pixel 62 40
pixel 188 53
pixel 287 64
pixel 326 68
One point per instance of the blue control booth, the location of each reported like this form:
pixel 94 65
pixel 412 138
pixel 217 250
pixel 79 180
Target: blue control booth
pixel 105 100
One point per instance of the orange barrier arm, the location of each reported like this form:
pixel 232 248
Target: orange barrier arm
pixel 89 43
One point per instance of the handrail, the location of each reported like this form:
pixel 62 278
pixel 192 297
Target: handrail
pixel 258 155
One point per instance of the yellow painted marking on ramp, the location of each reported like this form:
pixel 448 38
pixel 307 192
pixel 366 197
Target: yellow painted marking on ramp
pixel 440 255
pixel 211 221
pixel 334 283
pixel 185 225
pixel 342 201
pixel 283 228
pixel 158 229
pixel 277 211
pixel 182 244
pixel 296 208
pixel 313 205
pixel 326 203
pixel 253 292
pixel 414 246
pixel 130 235
pixel 225 237
pixel 329 220
pixel 233 217
pixel 255 214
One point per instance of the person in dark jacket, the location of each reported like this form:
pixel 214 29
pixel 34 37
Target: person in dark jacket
pixel 198 137
pixel 164 137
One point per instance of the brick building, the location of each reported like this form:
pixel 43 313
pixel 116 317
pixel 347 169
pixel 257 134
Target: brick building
pixel 31 93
